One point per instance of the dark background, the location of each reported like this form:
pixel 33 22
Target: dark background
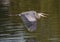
pixel 47 28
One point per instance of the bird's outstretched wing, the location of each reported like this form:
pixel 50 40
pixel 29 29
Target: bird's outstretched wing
pixel 29 23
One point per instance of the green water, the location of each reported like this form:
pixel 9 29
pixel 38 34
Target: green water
pixel 47 28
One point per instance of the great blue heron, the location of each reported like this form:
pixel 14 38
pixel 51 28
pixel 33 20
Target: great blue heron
pixel 29 19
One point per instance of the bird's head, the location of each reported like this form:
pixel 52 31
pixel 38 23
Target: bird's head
pixel 39 15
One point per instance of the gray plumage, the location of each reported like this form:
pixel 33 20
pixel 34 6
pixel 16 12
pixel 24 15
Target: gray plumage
pixel 29 19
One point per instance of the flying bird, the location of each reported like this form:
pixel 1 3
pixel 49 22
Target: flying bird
pixel 29 19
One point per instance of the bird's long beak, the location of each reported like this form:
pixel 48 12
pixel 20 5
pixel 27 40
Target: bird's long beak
pixel 44 15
